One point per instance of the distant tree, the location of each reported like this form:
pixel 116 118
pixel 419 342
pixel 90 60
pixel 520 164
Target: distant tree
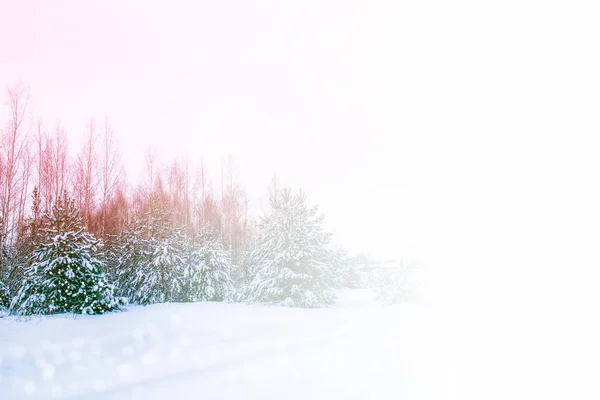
pixel 66 275
pixel 116 214
pixel 201 189
pixel 151 167
pixel 234 208
pixel 179 194
pixel 274 189
pixel 397 285
pixel 291 264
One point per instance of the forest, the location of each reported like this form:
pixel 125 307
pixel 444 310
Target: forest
pixel 76 236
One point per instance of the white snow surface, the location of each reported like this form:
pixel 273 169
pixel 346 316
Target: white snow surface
pixel 357 349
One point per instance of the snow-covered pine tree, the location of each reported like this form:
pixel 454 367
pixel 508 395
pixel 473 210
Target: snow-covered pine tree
pixel 131 249
pixel 65 274
pixel 291 264
pixel 206 275
pixel 160 282
pixel 155 258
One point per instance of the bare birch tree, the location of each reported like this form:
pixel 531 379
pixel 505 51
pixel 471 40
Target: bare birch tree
pixel 86 176
pixel 14 165
pixel 58 167
pixel 111 172
pixel 151 167
pixel 234 208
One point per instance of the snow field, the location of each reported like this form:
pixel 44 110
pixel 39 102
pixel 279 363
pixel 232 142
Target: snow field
pixel 214 350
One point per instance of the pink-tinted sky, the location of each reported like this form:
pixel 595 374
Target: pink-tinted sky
pixel 414 124
pixel 280 86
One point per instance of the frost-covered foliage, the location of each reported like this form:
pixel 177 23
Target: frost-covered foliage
pixel 5 278
pixel 4 296
pixel 65 274
pixel 129 251
pixel 397 285
pixel 158 281
pixel 345 272
pixel 110 255
pixel 155 263
pixel 150 257
pixel 206 274
pixel 291 264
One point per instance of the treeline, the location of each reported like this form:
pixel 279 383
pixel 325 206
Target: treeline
pixel 175 237
pixel 37 158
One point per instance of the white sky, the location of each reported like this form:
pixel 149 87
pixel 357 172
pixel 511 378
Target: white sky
pixel 443 131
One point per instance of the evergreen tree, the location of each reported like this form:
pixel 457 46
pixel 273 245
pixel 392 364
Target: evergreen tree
pixel 206 275
pixel 130 250
pixel 65 274
pixel 158 280
pixel 152 258
pixel 291 264
pixel 345 273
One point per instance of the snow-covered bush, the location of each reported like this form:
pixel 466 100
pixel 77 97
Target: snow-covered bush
pixel 65 274
pixel 397 285
pixel 291 264
pixel 207 270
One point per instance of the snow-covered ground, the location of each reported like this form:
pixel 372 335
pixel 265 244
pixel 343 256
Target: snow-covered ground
pixel 357 349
